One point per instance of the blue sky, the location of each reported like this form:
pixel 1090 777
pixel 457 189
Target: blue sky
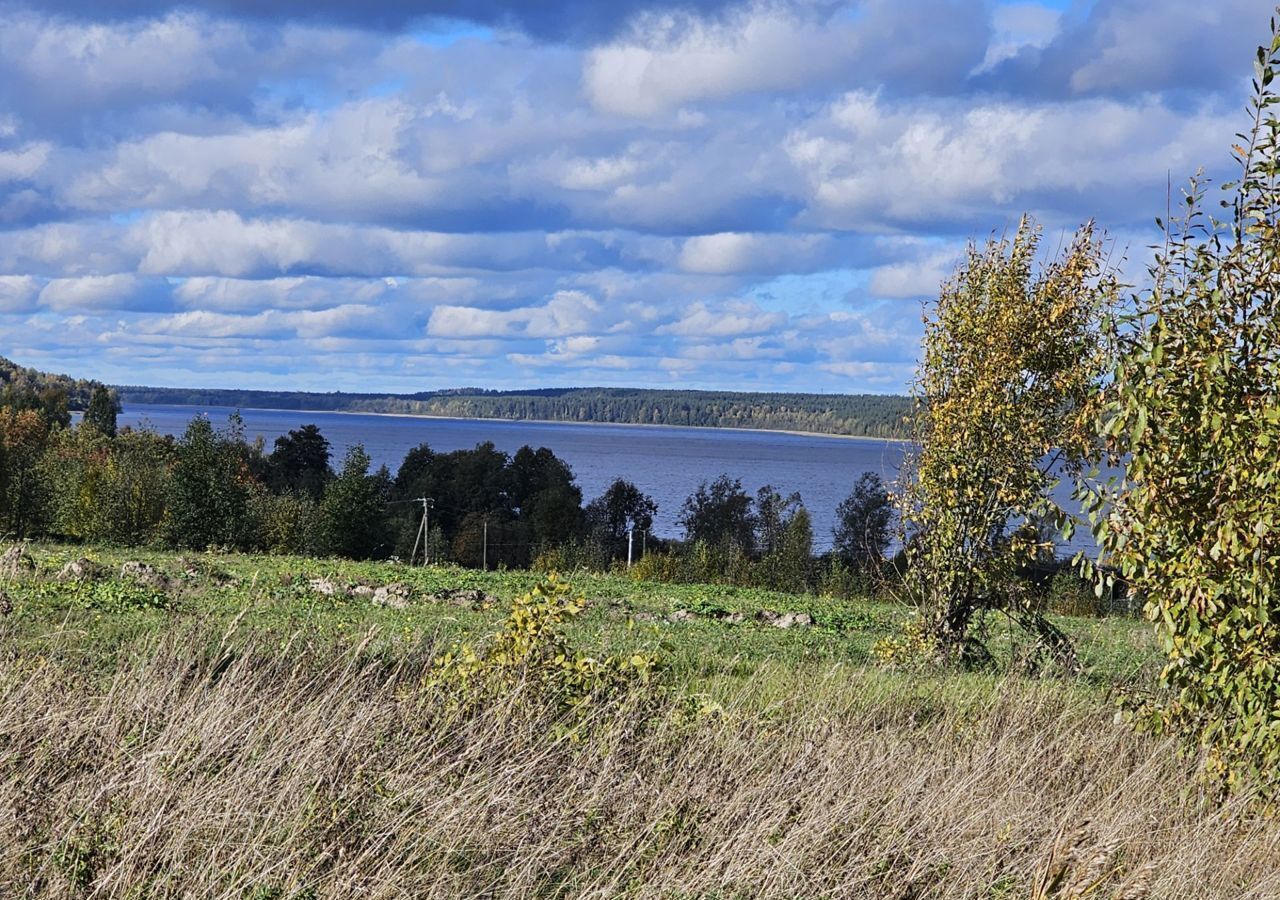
pixel 400 196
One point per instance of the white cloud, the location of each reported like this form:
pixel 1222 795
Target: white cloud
pixel 872 163
pixel 18 293
pixel 566 314
pixel 156 56
pixel 348 320
pixel 23 164
pixel 672 59
pixel 676 58
pixel 102 292
pixel 730 319
pixel 919 277
pixel 1017 27
pixel 729 253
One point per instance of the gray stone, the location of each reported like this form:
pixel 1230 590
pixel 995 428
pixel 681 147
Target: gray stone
pixel 793 620
pixel 15 562
pixel 82 569
pixel 396 595
pixel 148 576
pixel 326 587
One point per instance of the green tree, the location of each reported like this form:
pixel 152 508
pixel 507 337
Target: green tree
pixel 864 523
pixel 773 513
pixel 788 566
pixel 719 514
pixel 24 435
pixel 621 508
pixel 351 520
pixel 1012 360
pixel 102 411
pixel 1193 412
pixel 55 406
pixel 299 463
pixel 209 491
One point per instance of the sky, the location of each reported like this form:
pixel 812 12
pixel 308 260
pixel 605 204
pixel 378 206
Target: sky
pixel 400 196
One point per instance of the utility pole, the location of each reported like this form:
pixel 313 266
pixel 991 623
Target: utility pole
pixel 424 532
pixel 631 533
pixel 484 563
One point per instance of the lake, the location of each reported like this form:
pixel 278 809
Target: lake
pixel 666 463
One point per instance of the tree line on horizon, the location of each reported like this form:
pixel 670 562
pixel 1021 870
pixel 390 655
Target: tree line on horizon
pixel 857 415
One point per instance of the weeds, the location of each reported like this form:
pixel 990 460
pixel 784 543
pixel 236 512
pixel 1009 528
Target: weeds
pixel 232 767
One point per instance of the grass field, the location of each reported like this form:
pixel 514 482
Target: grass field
pixel 234 726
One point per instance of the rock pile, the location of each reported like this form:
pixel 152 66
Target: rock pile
pixel 145 575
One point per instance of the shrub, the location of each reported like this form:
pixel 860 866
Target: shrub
pixel 1194 412
pixel 532 648
pixel 1072 595
pixel 283 522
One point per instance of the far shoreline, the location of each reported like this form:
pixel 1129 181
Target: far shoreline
pixel 394 415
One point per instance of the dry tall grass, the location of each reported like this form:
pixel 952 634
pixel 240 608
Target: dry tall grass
pixel 276 773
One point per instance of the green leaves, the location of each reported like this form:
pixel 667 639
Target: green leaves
pixel 1193 409
pixel 1010 373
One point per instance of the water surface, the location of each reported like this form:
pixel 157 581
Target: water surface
pixel 668 463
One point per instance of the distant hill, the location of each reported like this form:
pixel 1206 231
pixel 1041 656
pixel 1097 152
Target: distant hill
pixel 863 415
pixel 19 380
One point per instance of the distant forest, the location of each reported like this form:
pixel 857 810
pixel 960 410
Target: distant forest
pixel 19 381
pixel 862 415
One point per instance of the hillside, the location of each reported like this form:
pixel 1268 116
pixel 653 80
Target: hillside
pixel 862 415
pixel 16 379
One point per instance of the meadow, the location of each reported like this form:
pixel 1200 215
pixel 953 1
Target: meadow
pixel 222 725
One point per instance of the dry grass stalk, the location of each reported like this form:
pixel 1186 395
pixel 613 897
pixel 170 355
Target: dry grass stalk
pixel 270 774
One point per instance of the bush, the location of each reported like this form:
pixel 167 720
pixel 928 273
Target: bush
pixel 532 649
pixel 1194 414
pixel 574 555
pixel 283 522
pixel 1071 595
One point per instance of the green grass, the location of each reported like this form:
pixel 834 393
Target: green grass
pixel 707 654
pixel 274 740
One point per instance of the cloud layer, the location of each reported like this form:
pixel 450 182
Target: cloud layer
pixel 388 196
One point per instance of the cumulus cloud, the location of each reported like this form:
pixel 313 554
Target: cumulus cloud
pixel 567 313
pixel 872 164
pixel 565 19
pixel 917 277
pixel 671 59
pixel 23 164
pixel 730 319
pixel 18 293
pixel 1019 27
pixel 1125 47
pixel 729 253
pixel 99 293
pixel 701 193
